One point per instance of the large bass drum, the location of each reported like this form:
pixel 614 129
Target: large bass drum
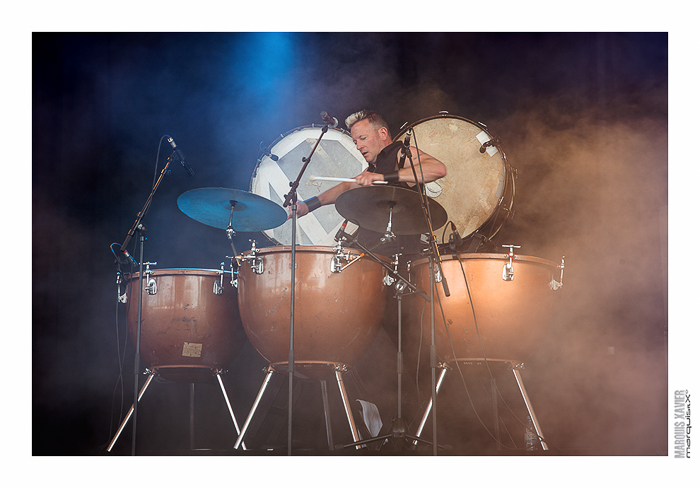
pixel 190 323
pixel 335 156
pixel 479 187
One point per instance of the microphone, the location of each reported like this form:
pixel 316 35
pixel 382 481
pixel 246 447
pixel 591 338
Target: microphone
pixel 341 231
pixel 407 140
pixel 332 122
pixel 181 157
pixel 455 238
pixel 127 258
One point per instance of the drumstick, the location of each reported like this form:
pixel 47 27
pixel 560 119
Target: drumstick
pixel 349 180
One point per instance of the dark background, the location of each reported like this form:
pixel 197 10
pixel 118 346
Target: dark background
pixel 582 116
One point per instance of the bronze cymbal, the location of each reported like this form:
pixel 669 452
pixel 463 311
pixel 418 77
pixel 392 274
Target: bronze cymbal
pixel 370 206
pixel 212 206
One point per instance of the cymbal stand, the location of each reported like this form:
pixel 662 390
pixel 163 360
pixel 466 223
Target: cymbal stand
pixel 398 426
pixel 291 199
pixel 141 229
pixel 435 271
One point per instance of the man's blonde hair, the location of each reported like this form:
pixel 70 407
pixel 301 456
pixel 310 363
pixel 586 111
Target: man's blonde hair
pixel 373 117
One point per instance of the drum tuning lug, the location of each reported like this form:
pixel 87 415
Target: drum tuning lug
pixel 219 285
pixel 151 287
pixel 555 285
pixel 508 272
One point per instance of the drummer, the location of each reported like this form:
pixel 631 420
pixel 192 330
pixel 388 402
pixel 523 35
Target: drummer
pixel 372 137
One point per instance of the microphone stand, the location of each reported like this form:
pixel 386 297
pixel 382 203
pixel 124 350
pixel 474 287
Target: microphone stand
pixel 141 229
pixel 291 199
pixel 435 265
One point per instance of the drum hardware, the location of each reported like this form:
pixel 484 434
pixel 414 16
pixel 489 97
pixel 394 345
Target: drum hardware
pixel 336 265
pixel 234 270
pixel 219 285
pixel 389 236
pixel 151 285
pixel 152 372
pixel 515 367
pixel 554 284
pixel 338 370
pixel 508 273
pixel 121 297
pixel 256 263
pixel 496 142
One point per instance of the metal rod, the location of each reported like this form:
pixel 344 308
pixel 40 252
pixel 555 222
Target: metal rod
pixel 131 411
pixel 348 411
pixel 228 404
pixel 530 410
pixel 430 406
pixel 254 408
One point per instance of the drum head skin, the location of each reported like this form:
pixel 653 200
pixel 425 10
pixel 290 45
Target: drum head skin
pixel 477 191
pixel 335 156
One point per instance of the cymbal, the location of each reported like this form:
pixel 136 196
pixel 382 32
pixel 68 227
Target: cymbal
pixel 369 208
pixel 212 206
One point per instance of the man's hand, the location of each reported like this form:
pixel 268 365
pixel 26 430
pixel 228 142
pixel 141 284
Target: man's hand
pixel 367 179
pixel 302 209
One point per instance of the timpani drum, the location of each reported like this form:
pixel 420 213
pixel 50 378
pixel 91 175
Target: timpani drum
pixel 339 303
pixel 190 323
pixel 335 156
pixel 513 310
pixel 479 187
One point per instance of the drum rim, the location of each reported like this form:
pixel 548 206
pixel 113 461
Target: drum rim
pixel 182 272
pixel 312 248
pixel 297 129
pixel 508 180
pixel 517 258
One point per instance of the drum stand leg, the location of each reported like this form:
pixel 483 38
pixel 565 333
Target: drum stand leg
pixel 151 374
pixel 518 379
pixel 430 405
pixel 326 414
pixel 346 404
pixel 338 369
pixel 530 410
pixel 228 404
pixel 266 381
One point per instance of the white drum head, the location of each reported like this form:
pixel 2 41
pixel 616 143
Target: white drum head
pixel 336 156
